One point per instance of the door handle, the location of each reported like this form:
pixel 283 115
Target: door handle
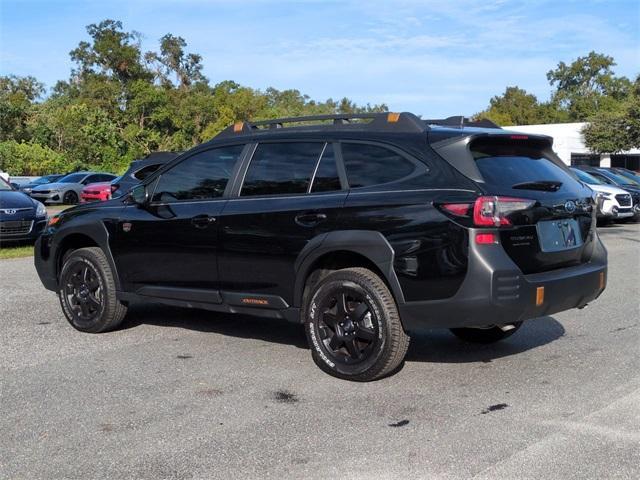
pixel 202 221
pixel 310 219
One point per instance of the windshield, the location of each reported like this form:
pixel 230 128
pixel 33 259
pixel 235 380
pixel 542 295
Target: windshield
pixel 586 178
pixel 43 180
pixel 634 178
pixel 619 179
pixel 4 185
pixel 73 178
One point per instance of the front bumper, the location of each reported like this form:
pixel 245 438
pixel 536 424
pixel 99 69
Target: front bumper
pixel 496 292
pixel 29 233
pixel 52 197
pixel 45 262
pixel 89 197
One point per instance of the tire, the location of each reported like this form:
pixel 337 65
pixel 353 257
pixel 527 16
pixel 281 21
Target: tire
pixel 70 198
pixel 353 326
pixel 87 292
pixel 489 334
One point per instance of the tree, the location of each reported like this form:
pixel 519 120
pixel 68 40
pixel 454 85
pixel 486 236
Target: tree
pixel 588 86
pixel 112 53
pixel 173 60
pixel 613 131
pixel 16 97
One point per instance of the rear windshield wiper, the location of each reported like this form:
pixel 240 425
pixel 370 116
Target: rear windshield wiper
pixel 544 185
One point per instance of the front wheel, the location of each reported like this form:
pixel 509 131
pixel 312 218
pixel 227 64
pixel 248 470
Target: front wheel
pixel 488 334
pixel 353 326
pixel 70 198
pixel 87 292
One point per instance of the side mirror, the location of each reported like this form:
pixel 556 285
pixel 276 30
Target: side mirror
pixel 139 194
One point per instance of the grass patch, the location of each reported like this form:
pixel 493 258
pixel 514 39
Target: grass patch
pixel 16 252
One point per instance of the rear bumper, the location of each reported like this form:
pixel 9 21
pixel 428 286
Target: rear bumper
pixel 495 291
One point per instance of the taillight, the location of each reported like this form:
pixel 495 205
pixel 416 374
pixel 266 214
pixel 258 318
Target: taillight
pixel 493 211
pixel 458 209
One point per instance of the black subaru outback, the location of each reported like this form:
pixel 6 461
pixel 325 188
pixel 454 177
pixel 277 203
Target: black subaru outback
pixel 365 228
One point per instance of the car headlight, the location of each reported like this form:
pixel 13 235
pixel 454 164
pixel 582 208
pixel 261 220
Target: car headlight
pixel 41 210
pixel 604 195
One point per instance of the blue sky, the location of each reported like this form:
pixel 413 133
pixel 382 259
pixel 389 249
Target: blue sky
pixel 435 58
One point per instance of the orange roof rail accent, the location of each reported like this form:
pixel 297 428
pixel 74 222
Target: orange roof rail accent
pixel 238 126
pixel 393 117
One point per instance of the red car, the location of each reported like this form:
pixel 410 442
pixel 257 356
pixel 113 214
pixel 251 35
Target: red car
pixel 96 192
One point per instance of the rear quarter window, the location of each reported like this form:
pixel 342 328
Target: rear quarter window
pixel 368 165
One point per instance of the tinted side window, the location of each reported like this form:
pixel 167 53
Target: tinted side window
pixel 368 165
pixel 326 178
pixel 201 176
pixel 144 172
pixel 281 168
pixel 92 179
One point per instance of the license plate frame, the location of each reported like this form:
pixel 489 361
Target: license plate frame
pixel 559 235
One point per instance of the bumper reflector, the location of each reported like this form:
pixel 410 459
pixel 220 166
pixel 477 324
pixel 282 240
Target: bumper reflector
pixel 486 238
pixel 539 296
pixel 601 280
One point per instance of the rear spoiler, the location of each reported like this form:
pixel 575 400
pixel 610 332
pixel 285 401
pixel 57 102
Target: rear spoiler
pixel 455 150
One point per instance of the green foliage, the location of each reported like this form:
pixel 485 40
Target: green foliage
pixel 586 90
pixel 120 104
pixel 29 159
pixel 588 86
pixel 613 131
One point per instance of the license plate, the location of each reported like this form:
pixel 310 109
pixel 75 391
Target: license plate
pixel 557 235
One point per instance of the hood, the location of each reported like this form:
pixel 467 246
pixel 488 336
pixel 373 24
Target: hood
pixel 13 199
pixel 607 189
pixel 52 186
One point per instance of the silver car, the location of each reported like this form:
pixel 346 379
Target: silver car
pixel 67 190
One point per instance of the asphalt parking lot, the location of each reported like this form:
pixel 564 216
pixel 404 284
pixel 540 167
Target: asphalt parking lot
pixel 192 394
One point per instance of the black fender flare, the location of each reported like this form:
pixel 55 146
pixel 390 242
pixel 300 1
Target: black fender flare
pixel 370 244
pixel 96 231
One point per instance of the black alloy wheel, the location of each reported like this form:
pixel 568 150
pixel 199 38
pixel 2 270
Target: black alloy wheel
pixel 87 291
pixel 82 292
pixel 353 326
pixel 348 326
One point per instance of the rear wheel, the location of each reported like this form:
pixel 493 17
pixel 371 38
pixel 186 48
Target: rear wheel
pixel 488 334
pixel 70 198
pixel 353 326
pixel 87 292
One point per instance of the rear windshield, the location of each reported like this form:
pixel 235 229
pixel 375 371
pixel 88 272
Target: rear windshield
pixel 509 164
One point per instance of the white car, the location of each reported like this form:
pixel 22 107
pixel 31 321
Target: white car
pixel 67 189
pixel 613 202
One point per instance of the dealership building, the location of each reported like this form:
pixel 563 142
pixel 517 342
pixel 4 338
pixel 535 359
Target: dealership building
pixel 568 143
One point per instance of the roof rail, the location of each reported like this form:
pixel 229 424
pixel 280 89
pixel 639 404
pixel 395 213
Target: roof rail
pixel 461 121
pixel 385 121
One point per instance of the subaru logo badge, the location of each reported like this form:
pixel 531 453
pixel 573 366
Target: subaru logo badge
pixel 570 206
pixel 9 211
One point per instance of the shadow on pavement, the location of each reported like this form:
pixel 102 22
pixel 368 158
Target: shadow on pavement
pixel 437 346
pixel 440 346
pixel 234 325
